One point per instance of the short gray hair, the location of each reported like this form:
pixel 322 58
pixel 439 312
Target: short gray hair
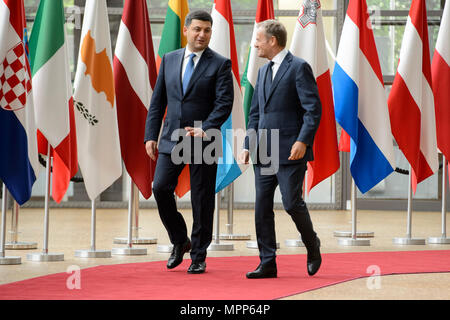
pixel 275 29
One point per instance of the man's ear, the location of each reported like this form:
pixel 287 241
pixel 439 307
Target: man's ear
pixel 185 29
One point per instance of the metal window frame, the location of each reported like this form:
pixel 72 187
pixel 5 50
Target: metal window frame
pixel 342 181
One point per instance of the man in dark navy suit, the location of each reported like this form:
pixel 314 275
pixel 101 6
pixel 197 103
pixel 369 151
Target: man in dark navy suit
pixel 196 85
pixel 285 104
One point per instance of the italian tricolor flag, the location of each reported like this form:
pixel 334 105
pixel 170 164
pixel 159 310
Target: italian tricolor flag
pixel 53 93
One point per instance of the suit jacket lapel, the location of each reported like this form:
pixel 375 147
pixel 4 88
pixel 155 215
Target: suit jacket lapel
pixel 199 69
pixel 263 85
pixel 180 78
pixel 280 73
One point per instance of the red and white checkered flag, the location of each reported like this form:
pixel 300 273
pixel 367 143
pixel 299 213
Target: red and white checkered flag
pixel 15 79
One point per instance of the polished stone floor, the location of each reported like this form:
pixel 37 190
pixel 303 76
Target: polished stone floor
pixel 70 231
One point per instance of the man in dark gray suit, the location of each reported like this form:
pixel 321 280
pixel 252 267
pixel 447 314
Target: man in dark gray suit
pixel 285 104
pixel 196 86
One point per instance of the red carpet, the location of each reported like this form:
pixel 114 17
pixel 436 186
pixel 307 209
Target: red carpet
pixel 224 279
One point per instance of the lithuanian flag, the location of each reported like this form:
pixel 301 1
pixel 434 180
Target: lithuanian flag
pixel 172 38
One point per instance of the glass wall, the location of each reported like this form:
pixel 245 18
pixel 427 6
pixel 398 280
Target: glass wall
pixel 388 18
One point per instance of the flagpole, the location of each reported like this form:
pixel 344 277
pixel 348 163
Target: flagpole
pixel 443 238
pixel 216 245
pixel 230 235
pixel 135 237
pixel 354 240
pixel 409 240
pixel 93 252
pixel 350 234
pixel 4 260
pixel 14 244
pixel 129 250
pixel 45 256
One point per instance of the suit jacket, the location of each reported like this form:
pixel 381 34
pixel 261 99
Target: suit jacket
pixel 208 98
pixel 292 106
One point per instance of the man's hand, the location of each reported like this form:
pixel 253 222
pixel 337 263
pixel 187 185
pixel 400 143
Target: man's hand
pixel 244 157
pixel 151 148
pixel 298 151
pixel 195 132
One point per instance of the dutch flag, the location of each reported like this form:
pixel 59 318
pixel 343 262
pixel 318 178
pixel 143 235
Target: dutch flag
pixel 360 100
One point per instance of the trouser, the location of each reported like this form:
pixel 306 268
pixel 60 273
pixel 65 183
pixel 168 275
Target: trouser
pixel 203 183
pixel 290 179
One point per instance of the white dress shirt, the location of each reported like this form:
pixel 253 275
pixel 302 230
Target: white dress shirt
pixel 187 54
pixel 277 61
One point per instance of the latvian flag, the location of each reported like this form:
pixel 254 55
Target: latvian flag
pixel 135 77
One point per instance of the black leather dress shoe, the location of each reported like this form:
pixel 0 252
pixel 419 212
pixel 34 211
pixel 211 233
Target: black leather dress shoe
pixel 267 270
pixel 314 259
pixel 178 251
pixel 197 267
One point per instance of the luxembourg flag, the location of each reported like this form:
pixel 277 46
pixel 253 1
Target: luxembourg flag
pixel 19 163
pixel 360 100
pixel 411 101
pixel 223 42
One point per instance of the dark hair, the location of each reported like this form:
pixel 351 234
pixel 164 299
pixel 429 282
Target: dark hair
pixel 275 29
pixel 201 15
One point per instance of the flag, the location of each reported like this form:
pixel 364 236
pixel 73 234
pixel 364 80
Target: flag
pixel 440 71
pixel 172 38
pixel 264 11
pixel 308 43
pixel 135 77
pixel 411 101
pixel 223 41
pixel 95 104
pixel 360 100
pixel 49 58
pixel 344 142
pixel 19 165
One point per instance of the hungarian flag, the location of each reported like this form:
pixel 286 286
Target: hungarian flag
pixel 360 100
pixel 95 105
pixel 411 101
pixel 264 11
pixel 19 165
pixel 223 41
pixel 172 38
pixel 308 43
pixel 55 120
pixel 440 70
pixel 135 77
